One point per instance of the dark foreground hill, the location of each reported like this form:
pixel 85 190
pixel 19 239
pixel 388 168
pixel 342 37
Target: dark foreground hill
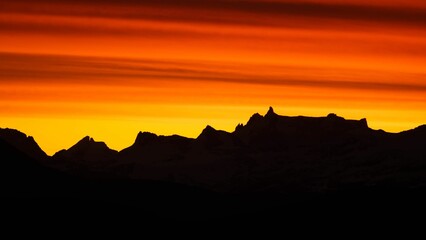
pixel 273 167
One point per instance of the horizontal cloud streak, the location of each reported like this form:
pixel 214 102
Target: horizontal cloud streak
pixel 68 70
pixel 272 13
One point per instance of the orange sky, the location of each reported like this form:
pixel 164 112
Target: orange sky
pixel 112 68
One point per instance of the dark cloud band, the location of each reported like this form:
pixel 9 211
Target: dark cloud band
pixel 242 12
pixel 109 71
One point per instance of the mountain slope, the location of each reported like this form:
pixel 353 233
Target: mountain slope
pixel 87 149
pixel 23 143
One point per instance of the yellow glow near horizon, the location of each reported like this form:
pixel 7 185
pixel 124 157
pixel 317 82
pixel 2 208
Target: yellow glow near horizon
pixel 54 134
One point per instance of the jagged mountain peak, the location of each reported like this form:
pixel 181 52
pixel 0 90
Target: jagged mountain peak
pixel 207 132
pixel 208 129
pixel 87 141
pixel 212 138
pixel 270 113
pixel 145 137
pixel 87 149
pixel 254 119
pixel 239 127
pixel 22 142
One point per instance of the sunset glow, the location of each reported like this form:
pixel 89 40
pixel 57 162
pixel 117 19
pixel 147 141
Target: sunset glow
pixel 110 69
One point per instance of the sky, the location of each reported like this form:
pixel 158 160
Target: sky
pixel 110 69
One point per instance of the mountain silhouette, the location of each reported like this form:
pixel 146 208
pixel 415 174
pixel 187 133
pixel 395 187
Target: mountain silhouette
pixel 87 149
pixel 149 147
pixel 23 143
pixel 270 153
pixel 274 131
pixel 212 138
pixel 330 159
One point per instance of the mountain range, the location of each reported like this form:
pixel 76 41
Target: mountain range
pixel 270 155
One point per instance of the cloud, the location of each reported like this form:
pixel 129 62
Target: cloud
pixel 266 13
pixel 50 69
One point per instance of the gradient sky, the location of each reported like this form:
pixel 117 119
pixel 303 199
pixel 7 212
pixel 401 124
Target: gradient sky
pixel 110 69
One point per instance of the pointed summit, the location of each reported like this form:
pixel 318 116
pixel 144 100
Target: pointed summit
pixel 84 143
pixel 87 149
pixel 207 132
pixel 208 129
pixel 255 119
pixel 270 113
pixel 85 140
pixel 211 137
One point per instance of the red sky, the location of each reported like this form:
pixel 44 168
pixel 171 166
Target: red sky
pixel 112 68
